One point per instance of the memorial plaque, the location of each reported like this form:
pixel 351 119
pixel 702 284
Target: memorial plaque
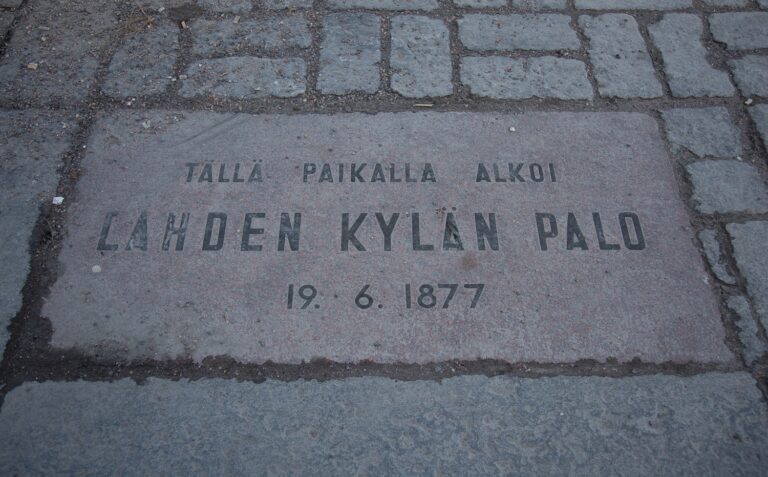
pixel 402 237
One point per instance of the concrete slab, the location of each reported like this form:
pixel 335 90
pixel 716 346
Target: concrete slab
pixel 711 424
pixel 473 267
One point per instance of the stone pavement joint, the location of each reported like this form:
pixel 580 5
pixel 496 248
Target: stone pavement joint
pixel 715 258
pixel 678 36
pixel 621 62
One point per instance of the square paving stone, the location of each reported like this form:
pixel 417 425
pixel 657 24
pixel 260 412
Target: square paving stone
pixel 703 131
pixel 748 241
pixel 727 186
pixel 451 237
pixel 751 73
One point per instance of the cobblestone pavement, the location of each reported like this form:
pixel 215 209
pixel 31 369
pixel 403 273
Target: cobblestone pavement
pixel 108 400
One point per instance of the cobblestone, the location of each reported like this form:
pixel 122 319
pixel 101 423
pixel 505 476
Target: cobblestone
pixel 540 4
pixel 715 258
pixel 350 53
pixel 724 186
pixel 224 37
pixel 32 144
pixel 421 57
pixel 678 37
pixel 231 6
pixel 245 77
pixel 622 65
pixel 144 63
pixel 748 241
pixel 283 4
pixel 542 77
pixel 10 3
pixel 6 19
pixel 547 31
pixel 751 73
pixel 709 424
pixel 632 4
pixel 384 4
pixel 740 30
pixel 480 3
pixel 703 131
pixel 725 3
pixel 753 346
pixel 68 58
pixel 759 114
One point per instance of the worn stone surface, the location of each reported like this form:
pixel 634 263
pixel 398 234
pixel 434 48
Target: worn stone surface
pixel 539 4
pixel 763 3
pixel 480 3
pixel 678 37
pixel 751 73
pixel 420 57
pixel 703 131
pixel 615 163
pixel 753 346
pixel 509 78
pixel 621 62
pixel 67 60
pixel 546 31
pixel 283 4
pixel 748 241
pixel 759 113
pixel 725 3
pixel 727 186
pixel 715 258
pixel 384 4
pixel 10 3
pixel 740 30
pixel 245 77
pixel 143 65
pixel 32 144
pixel 710 424
pixel 6 20
pixel 350 53
pixel 224 37
pixel 632 4
pixel 231 6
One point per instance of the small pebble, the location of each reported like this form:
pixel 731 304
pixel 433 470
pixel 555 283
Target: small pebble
pixel 96 269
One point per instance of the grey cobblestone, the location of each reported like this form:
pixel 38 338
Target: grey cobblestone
pixel 350 53
pixel 740 30
pixel 6 19
pixel 725 3
pixel 632 4
pixel 480 3
pixel 759 114
pixel 384 4
pixel 753 346
pixel 678 37
pixel 724 186
pixel 547 31
pixel 67 60
pixel 703 131
pixel 224 37
pixel 283 4
pixel 763 4
pixel 540 4
pixel 245 77
pixel 420 57
pixel 748 241
pixel 708 238
pixel 541 77
pixel 708 424
pixel 621 62
pixel 10 3
pixel 32 144
pixel 144 63
pixel 232 6
pixel 751 73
